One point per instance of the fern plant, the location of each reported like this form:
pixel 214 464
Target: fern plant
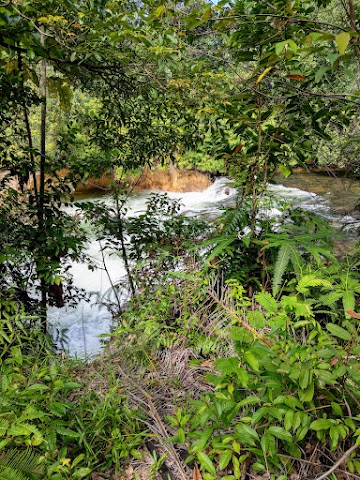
pixel 304 247
pixel 20 465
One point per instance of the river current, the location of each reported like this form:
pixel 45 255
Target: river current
pixel 78 329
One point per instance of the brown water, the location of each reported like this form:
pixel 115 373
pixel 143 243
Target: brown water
pixel 341 194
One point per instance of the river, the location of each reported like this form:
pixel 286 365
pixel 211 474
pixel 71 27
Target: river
pixel 78 329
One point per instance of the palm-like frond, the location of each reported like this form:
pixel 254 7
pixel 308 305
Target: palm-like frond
pixel 282 261
pixel 20 465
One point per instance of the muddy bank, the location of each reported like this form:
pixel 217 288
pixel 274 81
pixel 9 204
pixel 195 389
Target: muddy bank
pixel 171 180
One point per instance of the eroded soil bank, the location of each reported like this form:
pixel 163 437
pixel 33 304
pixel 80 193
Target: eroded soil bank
pixel 171 180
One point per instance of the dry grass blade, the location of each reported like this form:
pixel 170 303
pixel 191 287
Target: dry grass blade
pixel 159 427
pixel 243 324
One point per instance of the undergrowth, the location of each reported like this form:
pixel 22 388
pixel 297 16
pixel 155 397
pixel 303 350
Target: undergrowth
pixel 222 368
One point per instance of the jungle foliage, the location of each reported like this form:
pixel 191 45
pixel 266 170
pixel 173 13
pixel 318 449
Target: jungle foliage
pixel 236 353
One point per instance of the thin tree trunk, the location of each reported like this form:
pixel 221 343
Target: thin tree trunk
pixel 123 247
pixel 41 202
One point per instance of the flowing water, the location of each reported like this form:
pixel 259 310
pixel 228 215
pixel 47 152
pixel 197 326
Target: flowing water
pixel 78 329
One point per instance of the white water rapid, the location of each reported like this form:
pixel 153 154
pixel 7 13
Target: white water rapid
pixel 80 327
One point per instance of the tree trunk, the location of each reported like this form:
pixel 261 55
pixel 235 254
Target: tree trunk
pixel 41 200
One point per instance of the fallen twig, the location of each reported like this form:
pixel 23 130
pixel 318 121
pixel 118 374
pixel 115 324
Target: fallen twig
pixel 339 462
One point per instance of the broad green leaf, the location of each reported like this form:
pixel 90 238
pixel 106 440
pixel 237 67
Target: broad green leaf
pixel 342 41
pixel 321 424
pixel 279 47
pixel 206 462
pixel 288 419
pixel 308 394
pixel 252 361
pixel 224 459
pixel 236 466
pixel 301 433
pixel 252 400
pixel 159 12
pixel 292 45
pixel 348 301
pixel 82 472
pixel 246 435
pixel 66 431
pixel 280 433
pixel 338 331
pixel 286 170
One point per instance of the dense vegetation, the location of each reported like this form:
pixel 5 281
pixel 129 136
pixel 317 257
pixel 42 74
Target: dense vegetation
pixel 236 355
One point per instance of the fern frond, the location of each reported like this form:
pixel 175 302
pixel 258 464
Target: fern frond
pixel 281 264
pixel 296 261
pixel 7 473
pixel 222 246
pixel 20 465
pixel 308 281
pixel 330 298
pixel 267 301
pixel 4 425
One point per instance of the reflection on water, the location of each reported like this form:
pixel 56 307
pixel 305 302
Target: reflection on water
pixel 341 193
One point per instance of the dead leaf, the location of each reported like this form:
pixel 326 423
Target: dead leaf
pixel 238 148
pixel 96 476
pixel 295 76
pixel 353 314
pixel 265 72
pixel 196 473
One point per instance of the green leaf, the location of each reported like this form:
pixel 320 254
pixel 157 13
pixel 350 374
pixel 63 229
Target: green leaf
pixel 246 435
pixel 82 472
pixel 267 301
pixel 292 45
pixel 66 431
pixel 281 264
pixel 286 170
pixel 308 394
pixel 252 361
pixel 342 41
pixel 288 419
pixel 310 281
pixel 348 301
pixel 36 387
pixel 77 460
pixel 206 462
pixel 224 459
pixel 280 433
pixel 338 331
pixel 279 47
pixel 252 400
pixel 159 12
pixel 321 424
pixel 320 72
pixel 181 435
